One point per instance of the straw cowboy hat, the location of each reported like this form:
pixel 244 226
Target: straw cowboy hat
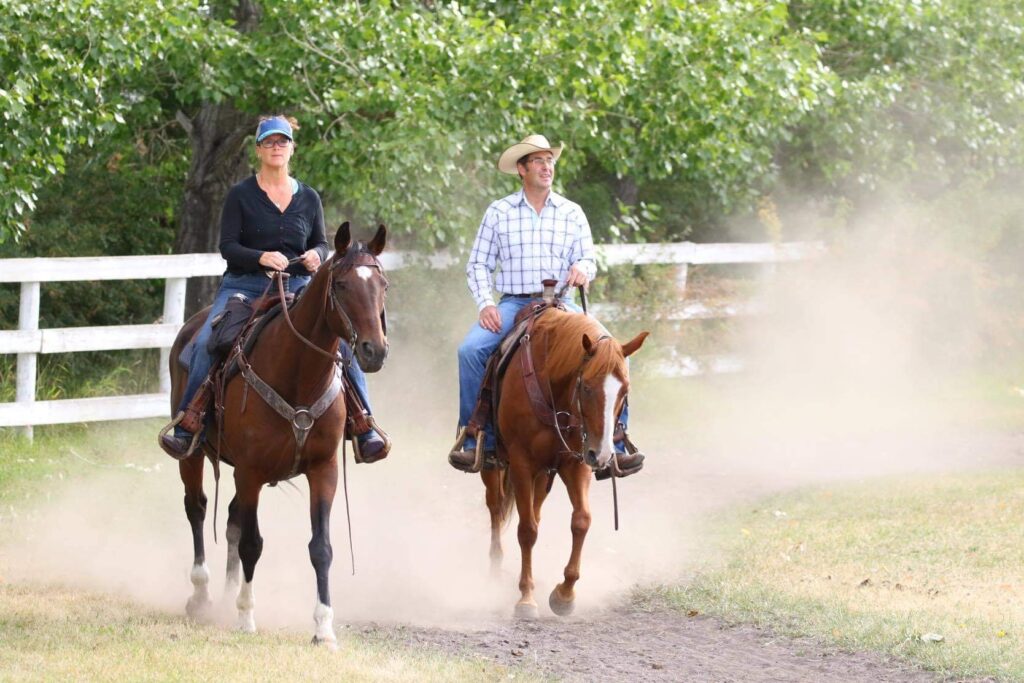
pixel 530 144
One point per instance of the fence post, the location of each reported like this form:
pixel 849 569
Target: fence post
pixel 174 312
pixel 681 273
pixel 28 320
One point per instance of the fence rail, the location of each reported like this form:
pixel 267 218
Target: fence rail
pixel 28 340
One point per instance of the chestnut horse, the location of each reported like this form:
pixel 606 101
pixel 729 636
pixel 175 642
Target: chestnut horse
pixel 582 376
pixel 299 362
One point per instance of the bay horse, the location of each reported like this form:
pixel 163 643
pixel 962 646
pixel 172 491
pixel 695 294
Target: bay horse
pixel 297 360
pixel 581 378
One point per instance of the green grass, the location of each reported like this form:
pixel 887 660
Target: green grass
pixel 50 634
pixel 881 566
pixel 64 451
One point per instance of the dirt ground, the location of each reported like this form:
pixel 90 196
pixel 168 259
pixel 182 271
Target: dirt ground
pixel 653 644
pixel 412 589
pixel 630 642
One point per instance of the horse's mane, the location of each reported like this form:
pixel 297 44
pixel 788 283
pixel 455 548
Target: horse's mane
pixel 563 332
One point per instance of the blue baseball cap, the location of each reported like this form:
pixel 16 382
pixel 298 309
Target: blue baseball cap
pixel 275 125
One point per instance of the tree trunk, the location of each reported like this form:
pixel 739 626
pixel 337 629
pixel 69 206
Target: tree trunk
pixel 218 134
pixel 219 160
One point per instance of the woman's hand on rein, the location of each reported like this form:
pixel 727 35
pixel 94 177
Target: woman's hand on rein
pixel 311 260
pixel 273 260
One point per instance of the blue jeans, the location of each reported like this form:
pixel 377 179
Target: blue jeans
pixel 251 285
pixel 474 351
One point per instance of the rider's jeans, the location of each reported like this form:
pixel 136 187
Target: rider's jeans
pixel 251 285
pixel 474 351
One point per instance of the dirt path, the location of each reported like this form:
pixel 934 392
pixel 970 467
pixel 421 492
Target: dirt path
pixel 632 644
pixel 656 643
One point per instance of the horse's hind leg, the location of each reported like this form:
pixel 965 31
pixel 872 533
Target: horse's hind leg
pixel 577 482
pixel 191 471
pixel 494 494
pixel 323 482
pixel 250 547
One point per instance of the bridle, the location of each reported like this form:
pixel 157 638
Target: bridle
pixel 343 265
pixel 575 402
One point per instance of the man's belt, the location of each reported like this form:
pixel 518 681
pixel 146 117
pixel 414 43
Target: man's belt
pixel 530 295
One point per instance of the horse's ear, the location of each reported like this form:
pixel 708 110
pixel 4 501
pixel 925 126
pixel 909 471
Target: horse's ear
pixel 376 245
pixel 633 344
pixel 588 345
pixel 342 239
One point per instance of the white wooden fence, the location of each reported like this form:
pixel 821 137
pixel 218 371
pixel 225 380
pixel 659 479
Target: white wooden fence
pixel 28 340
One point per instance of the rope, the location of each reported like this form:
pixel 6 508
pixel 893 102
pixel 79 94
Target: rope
pixel 348 514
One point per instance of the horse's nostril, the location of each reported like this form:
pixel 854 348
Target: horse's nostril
pixel 591 456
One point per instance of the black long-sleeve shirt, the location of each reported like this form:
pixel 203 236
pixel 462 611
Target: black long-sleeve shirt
pixel 250 224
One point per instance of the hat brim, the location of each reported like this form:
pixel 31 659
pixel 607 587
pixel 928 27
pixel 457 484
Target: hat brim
pixel 274 131
pixel 507 160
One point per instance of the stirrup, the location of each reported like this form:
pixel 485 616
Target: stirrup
pixel 357 449
pixel 193 445
pixel 613 469
pixel 478 453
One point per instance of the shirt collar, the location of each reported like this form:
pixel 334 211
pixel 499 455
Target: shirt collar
pixel 554 199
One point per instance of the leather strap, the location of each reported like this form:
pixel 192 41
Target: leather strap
pixel 301 418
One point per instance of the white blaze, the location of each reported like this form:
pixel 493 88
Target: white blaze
pixel 364 272
pixel 611 393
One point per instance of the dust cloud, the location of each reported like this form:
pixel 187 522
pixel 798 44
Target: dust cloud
pixel 846 376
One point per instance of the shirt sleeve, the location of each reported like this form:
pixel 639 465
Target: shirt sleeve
pixel 240 258
pixel 583 255
pixel 483 259
pixel 318 234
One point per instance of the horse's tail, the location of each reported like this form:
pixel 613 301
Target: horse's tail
pixel 508 498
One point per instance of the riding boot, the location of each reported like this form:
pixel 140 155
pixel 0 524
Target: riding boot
pixel 370 443
pixel 629 460
pixel 187 425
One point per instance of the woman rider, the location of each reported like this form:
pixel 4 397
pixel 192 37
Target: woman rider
pixel 268 220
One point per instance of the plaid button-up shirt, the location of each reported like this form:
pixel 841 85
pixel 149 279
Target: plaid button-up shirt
pixel 525 247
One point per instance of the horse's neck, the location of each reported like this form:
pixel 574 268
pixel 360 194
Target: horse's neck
pixel 308 319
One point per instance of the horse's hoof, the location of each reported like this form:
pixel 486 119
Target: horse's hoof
pixel 562 608
pixel 246 623
pixel 200 609
pixel 525 610
pixel 331 644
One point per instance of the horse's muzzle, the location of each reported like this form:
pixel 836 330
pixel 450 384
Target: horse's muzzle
pixel 371 356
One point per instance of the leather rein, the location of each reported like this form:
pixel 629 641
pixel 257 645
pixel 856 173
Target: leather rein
pixel 545 410
pixel 303 418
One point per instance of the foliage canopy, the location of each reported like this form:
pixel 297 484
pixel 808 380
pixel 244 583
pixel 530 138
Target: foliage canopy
pixel 700 106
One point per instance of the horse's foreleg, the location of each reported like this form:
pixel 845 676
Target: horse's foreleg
pixel 191 471
pixel 495 492
pixel 577 482
pixel 522 480
pixel 323 482
pixel 233 534
pixel 250 547
pixel 540 493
